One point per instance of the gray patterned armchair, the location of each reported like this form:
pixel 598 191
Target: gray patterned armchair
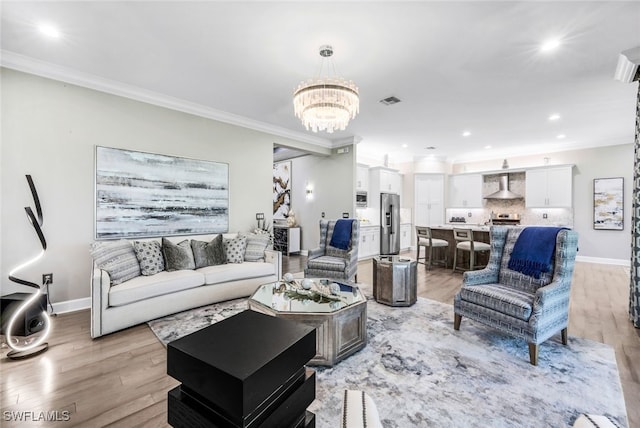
pixel 327 261
pixel 518 304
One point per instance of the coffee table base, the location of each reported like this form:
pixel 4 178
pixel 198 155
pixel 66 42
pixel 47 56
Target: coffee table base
pixel 338 334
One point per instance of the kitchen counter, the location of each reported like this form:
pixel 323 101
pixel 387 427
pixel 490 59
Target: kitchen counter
pixel 472 226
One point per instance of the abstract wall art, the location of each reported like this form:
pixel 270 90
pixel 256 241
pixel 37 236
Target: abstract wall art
pixel 608 203
pixel 145 195
pixel 281 189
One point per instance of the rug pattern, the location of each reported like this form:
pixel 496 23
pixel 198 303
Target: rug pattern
pixel 422 373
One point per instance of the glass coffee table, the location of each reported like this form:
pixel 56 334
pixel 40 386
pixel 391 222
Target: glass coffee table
pixel 337 309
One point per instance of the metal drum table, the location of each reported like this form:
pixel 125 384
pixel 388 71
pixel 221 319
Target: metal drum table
pixel 394 280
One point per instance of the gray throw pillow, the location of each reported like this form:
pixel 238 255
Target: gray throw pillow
pixel 117 258
pixel 149 255
pixel 177 256
pixel 209 253
pixel 235 249
pixel 256 244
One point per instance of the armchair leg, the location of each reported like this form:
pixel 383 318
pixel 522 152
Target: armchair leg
pixel 533 354
pixel 457 319
pixel 564 336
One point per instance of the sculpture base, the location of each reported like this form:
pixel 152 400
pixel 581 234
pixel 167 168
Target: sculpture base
pixel 19 355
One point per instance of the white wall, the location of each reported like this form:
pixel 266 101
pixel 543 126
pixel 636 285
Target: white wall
pixel 50 130
pixel 332 179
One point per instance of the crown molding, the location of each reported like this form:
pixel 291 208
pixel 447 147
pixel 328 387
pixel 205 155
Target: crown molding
pixel 49 70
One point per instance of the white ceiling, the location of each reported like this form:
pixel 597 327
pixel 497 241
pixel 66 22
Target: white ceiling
pixel 456 66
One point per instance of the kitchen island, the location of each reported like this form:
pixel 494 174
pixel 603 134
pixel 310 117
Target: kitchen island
pixel 445 231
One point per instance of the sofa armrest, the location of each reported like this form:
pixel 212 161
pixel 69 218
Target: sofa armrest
pixel 100 284
pixel 479 277
pixel 314 253
pixel 551 294
pixel 274 257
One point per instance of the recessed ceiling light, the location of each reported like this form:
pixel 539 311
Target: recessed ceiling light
pixel 487 147
pixel 466 133
pixel 404 146
pixel 554 116
pixel 49 30
pixel 561 136
pixel 550 45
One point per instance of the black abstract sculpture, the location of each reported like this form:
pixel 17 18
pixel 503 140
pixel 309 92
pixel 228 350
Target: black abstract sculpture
pixel 39 345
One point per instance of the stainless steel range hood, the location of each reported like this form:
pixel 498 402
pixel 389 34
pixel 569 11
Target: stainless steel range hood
pixel 504 192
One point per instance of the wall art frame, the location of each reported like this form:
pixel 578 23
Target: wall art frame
pixel 281 189
pixel 143 195
pixel 608 203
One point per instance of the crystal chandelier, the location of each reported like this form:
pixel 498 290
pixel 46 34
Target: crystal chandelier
pixel 326 104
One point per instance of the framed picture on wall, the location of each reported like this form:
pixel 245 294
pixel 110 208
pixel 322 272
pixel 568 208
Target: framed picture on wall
pixel 608 203
pixel 145 195
pixel 281 189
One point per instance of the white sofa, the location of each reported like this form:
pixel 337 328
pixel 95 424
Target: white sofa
pixel 145 298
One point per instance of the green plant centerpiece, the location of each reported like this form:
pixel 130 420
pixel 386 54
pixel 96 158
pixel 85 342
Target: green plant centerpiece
pixel 324 291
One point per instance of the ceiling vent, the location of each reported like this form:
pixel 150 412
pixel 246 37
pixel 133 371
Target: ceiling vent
pixel 390 100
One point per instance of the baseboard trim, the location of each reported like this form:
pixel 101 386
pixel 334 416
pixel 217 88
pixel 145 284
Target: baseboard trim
pixel 71 305
pixel 603 261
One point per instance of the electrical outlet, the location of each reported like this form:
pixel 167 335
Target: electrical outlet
pixel 469 214
pixel 544 215
pixel 322 215
pixel 47 278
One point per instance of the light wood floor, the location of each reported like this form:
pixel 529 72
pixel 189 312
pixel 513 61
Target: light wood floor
pixel 120 380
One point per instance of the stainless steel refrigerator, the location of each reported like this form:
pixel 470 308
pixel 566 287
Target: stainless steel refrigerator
pixel 389 223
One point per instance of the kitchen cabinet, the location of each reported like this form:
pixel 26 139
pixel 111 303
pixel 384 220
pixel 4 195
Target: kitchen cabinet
pixel 405 236
pixel 385 180
pixel 465 191
pixel 362 178
pixel 369 242
pixel 549 187
pixel 429 199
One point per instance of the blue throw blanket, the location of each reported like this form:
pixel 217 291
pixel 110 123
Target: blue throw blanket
pixel 533 251
pixel 341 237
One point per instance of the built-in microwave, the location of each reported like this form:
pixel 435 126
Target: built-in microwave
pixel 361 199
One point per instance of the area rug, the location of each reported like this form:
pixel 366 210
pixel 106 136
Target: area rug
pixel 422 373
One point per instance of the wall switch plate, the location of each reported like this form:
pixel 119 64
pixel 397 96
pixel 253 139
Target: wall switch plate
pixel 322 215
pixel 469 214
pixel 47 278
pixel 345 215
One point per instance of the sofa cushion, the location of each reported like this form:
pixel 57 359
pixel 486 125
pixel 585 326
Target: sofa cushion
pixel 256 244
pixel 330 263
pixel 177 256
pixel 506 300
pixel 145 287
pixel 235 271
pixel 149 255
pixel 235 249
pixel 209 253
pixel 117 258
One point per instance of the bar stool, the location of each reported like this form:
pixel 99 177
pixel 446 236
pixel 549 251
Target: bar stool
pixel 425 239
pixel 465 242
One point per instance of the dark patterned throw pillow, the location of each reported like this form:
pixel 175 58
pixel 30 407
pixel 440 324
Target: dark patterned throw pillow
pixel 177 256
pixel 209 253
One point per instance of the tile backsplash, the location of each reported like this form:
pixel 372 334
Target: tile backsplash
pixel 529 216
